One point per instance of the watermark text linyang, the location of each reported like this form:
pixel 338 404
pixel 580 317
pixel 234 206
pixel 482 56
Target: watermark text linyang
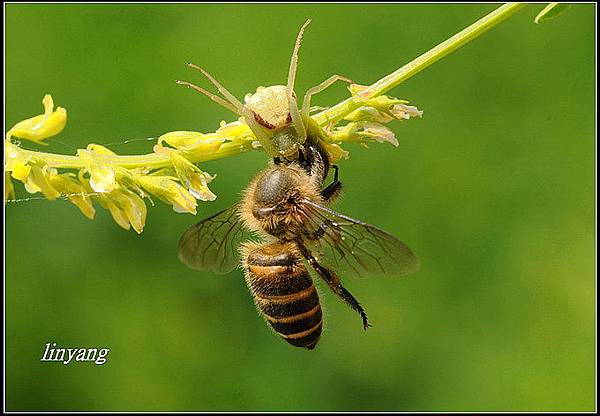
pixel 67 355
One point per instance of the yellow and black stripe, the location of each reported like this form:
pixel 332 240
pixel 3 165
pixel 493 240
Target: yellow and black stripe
pixel 285 294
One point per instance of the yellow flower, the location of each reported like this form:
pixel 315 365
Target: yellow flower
pixel 377 132
pixel 9 190
pixel 15 162
pixel 41 127
pixel 366 113
pixel 191 143
pixel 126 207
pixel 99 149
pixel 401 111
pixel 20 171
pixel 102 177
pixel 166 189
pixel 236 131
pixel 384 109
pixel 74 191
pixel 132 206
pixel 117 214
pixel 335 152
pixel 38 181
pixel 363 132
pixel 191 176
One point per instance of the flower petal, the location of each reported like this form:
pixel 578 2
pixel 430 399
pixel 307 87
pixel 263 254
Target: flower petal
pixel 401 111
pixel 335 152
pixel 102 177
pixel 132 206
pixel 169 191
pixel 364 132
pixel 191 142
pixel 100 150
pixel 118 214
pixel 38 181
pixel 75 192
pixel 378 132
pixel 9 190
pixel 384 109
pixel 41 127
pixel 15 162
pixel 192 177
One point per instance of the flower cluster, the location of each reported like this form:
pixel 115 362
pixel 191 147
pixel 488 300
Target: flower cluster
pixel 117 183
pixel 171 173
pixel 366 124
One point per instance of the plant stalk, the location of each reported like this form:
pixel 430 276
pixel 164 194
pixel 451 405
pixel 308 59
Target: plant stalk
pixel 388 82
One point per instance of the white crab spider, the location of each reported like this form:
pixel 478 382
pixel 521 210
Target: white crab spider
pixel 272 113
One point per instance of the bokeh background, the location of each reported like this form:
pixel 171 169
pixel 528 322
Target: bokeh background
pixel 493 189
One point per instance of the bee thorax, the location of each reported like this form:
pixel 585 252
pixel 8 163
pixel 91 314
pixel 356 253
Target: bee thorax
pixel 273 186
pixel 274 201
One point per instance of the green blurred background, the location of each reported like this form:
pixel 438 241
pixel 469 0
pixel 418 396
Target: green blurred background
pixel 493 189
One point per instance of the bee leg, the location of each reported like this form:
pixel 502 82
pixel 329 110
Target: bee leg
pixel 334 189
pixel 335 284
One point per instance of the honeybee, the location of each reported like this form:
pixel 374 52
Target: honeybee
pixel 286 206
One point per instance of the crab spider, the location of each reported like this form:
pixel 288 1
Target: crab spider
pixel 272 113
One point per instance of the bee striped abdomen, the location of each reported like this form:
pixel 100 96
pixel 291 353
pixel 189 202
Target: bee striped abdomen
pixel 285 294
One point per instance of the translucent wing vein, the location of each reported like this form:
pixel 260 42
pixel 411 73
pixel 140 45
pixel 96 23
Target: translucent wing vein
pixel 354 247
pixel 212 244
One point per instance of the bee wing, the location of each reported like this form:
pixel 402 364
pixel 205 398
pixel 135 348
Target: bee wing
pixel 212 244
pixel 354 247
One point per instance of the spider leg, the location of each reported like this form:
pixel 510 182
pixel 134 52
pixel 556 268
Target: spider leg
pixel 317 89
pixel 294 111
pixel 240 108
pixel 210 95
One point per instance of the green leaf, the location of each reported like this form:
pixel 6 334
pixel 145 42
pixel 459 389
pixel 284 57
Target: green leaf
pixel 550 11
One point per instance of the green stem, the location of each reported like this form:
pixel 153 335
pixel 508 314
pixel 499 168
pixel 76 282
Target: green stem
pixel 150 160
pixel 342 109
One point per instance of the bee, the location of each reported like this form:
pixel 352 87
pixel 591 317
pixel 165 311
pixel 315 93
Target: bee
pixel 287 207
